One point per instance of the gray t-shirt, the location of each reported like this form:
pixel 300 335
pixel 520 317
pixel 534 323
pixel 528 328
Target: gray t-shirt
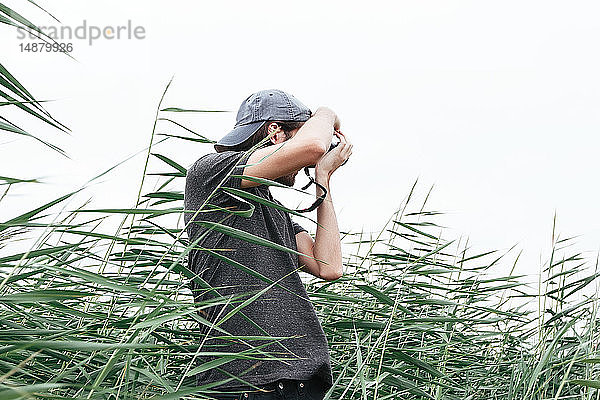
pixel 278 312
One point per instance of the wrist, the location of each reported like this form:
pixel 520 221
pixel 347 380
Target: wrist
pixel 322 176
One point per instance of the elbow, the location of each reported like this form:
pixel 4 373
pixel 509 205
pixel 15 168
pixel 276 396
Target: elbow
pixel 332 275
pixel 315 150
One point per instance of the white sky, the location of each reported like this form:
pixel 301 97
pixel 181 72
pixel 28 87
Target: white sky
pixel 495 104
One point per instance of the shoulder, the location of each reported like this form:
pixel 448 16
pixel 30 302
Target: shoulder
pixel 216 161
pixel 211 158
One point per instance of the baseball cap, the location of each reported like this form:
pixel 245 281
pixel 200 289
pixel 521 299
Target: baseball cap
pixel 265 105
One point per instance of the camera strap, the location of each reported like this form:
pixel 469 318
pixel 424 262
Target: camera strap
pixel 319 199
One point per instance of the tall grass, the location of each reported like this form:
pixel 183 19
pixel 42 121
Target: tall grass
pixel 90 313
pixel 86 312
pixel 15 95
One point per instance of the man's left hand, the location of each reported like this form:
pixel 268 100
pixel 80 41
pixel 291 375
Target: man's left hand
pixel 331 160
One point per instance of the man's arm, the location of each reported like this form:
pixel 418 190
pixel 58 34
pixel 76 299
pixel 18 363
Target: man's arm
pixel 326 246
pixel 305 148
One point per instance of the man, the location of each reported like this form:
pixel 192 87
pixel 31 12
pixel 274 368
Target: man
pixel 294 138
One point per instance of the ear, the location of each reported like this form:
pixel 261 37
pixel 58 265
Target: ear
pixel 276 134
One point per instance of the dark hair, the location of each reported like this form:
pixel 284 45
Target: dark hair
pixel 260 134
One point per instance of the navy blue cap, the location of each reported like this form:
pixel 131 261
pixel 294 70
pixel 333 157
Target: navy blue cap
pixel 266 105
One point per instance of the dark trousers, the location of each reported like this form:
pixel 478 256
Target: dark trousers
pixel 283 389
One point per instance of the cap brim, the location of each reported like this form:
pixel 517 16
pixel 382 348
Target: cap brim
pixel 240 134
